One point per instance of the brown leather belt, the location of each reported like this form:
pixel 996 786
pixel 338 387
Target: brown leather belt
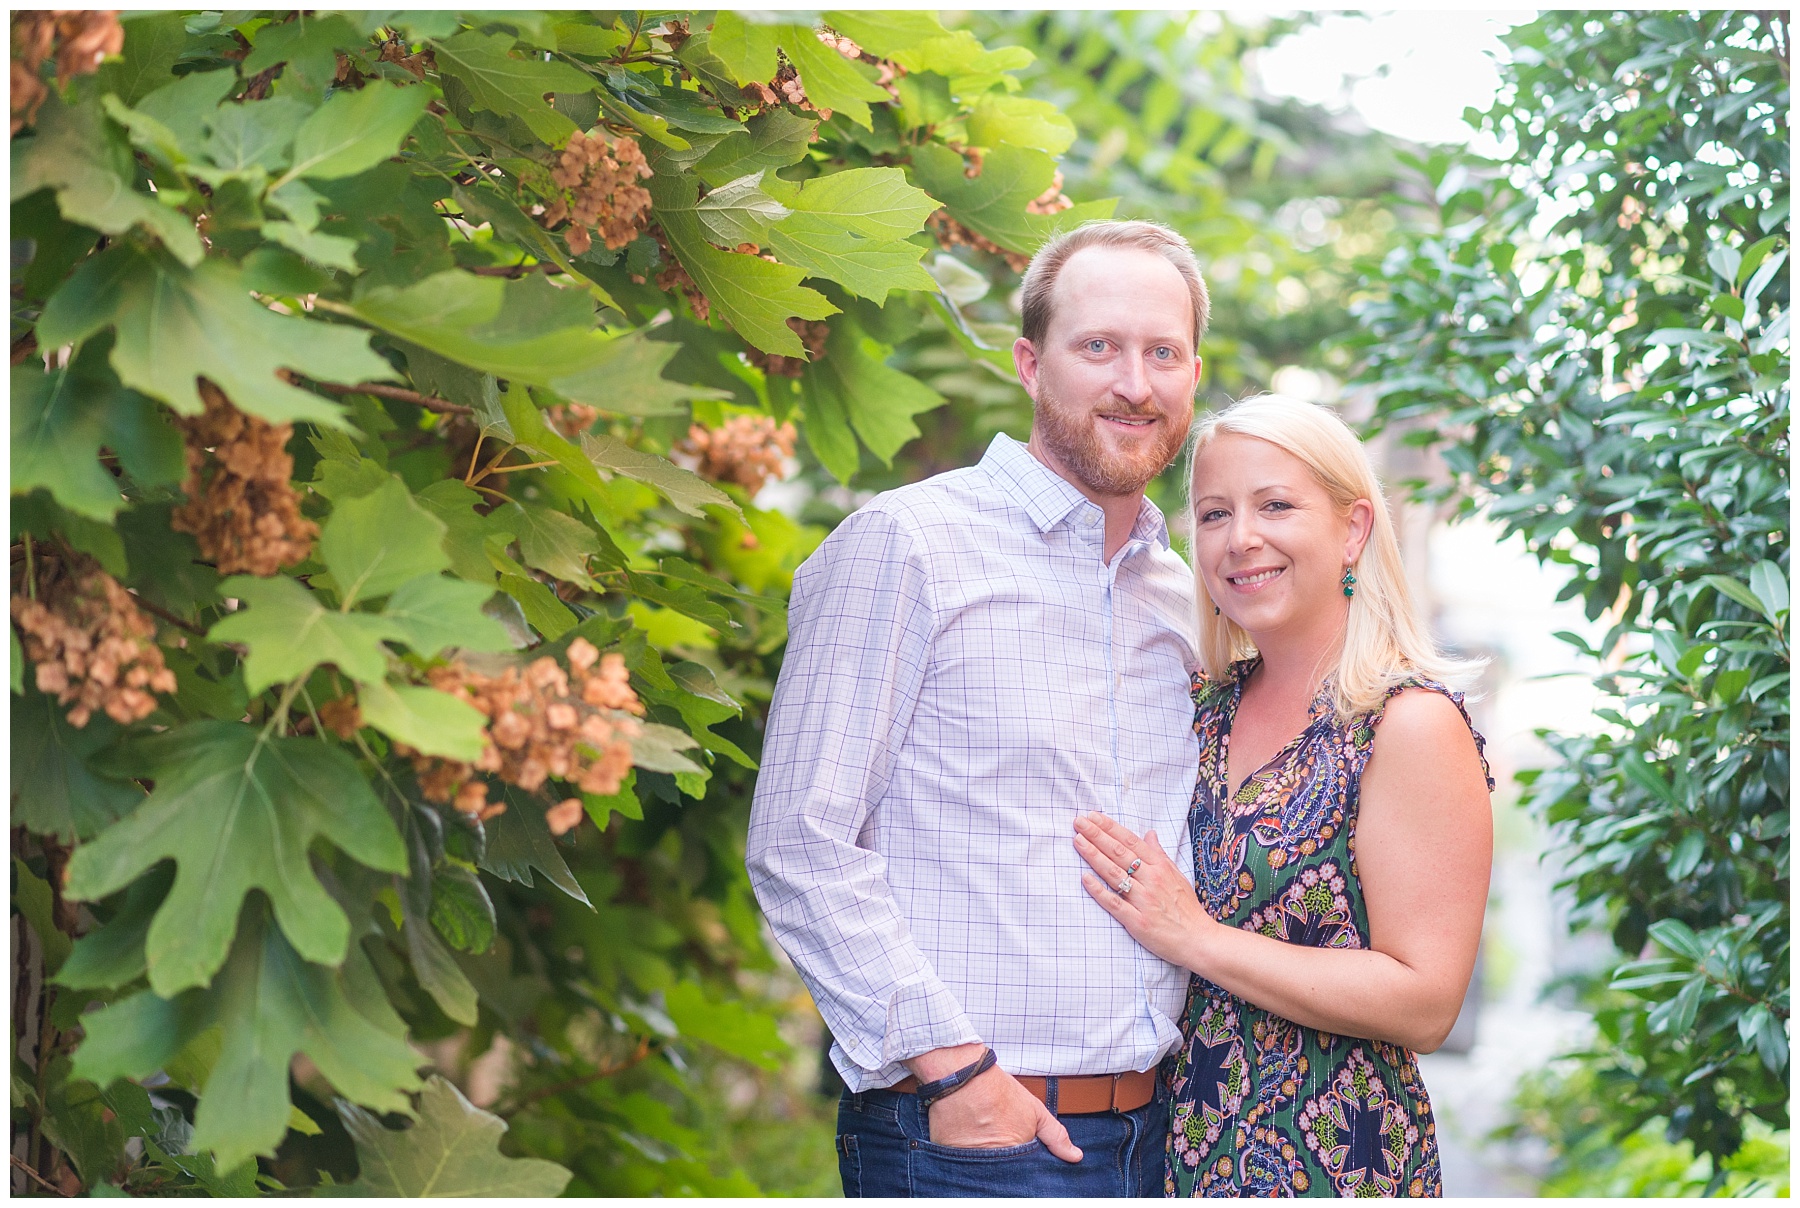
pixel 1078 1096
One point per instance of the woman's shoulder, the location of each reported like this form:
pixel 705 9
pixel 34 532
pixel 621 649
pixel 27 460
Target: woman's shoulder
pixel 1423 716
pixel 1207 690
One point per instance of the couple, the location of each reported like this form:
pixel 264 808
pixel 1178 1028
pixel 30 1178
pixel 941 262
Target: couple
pixel 1100 892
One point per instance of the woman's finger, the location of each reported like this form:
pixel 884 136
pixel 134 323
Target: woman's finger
pixel 1107 869
pixel 1104 895
pixel 1108 836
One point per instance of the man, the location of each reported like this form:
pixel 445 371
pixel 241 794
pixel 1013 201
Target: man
pixel 975 660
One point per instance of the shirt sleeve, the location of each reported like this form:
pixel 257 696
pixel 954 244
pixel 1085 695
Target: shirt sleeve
pixel 861 625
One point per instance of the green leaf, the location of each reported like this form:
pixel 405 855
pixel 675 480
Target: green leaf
pixel 432 962
pixel 53 790
pixel 519 842
pixel 182 111
pixel 113 955
pixel 33 900
pixel 332 251
pixel 256 135
pixel 510 86
pixel 832 81
pixel 355 130
pixel 728 1025
pixel 175 325
pixel 1771 589
pixel 290 632
pixel 686 490
pixel 136 1036
pixel 308 45
pixel 153 44
pixel 1023 122
pixel 425 719
pixel 868 268
pixel 883 33
pixel 542 609
pixel 757 298
pixel 465 530
pixel 375 543
pixel 432 614
pixel 460 908
pixel 746 48
pixel 1678 938
pixel 77 153
pixel 854 379
pixel 273 1004
pixel 627 379
pixel 771 140
pixel 527 330
pixel 558 543
pixel 62 418
pixel 658 748
pixel 1733 589
pixel 993 204
pixel 79 1122
pixel 485 202
pixel 876 202
pixel 960 57
pixel 740 212
pixel 453 1150
pixel 236 810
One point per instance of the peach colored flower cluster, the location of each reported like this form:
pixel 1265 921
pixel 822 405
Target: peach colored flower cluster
pixel 601 193
pixel 544 723
pixel 241 505
pixel 90 644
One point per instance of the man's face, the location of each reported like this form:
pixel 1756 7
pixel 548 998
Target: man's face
pixel 1113 378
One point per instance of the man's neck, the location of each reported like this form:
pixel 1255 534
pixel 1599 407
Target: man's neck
pixel 1120 511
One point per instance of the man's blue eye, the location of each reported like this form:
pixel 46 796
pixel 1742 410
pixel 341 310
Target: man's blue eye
pixel 1166 354
pixel 1096 345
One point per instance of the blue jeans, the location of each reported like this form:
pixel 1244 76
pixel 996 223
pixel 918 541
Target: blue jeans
pixel 885 1149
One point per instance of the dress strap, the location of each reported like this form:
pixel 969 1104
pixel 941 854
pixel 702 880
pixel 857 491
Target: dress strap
pixel 1456 698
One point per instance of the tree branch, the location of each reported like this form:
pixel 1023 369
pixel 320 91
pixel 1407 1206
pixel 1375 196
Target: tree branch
pixel 399 394
pixel 638 1055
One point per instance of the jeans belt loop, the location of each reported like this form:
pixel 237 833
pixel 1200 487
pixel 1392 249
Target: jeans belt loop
pixel 1052 1086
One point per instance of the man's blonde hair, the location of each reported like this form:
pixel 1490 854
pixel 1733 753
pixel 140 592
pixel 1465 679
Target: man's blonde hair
pixel 1046 266
pixel 1384 640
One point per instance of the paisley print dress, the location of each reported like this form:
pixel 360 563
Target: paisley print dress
pixel 1259 1105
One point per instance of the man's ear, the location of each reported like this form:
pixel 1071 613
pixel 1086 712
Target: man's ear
pixel 1197 364
pixel 1025 363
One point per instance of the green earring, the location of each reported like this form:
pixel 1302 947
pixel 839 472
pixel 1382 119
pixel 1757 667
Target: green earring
pixel 1349 582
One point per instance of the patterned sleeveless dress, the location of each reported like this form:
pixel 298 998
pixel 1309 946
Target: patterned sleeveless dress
pixel 1260 1106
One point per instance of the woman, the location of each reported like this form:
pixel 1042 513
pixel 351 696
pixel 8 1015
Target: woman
pixel 1341 828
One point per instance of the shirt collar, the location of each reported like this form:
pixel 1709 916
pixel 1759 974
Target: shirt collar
pixel 1048 497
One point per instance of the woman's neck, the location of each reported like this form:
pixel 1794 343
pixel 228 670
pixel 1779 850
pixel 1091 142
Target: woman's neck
pixel 1296 667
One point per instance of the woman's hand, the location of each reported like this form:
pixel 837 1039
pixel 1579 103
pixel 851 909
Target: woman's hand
pixel 1161 911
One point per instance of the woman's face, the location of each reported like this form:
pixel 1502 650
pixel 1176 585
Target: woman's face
pixel 1269 543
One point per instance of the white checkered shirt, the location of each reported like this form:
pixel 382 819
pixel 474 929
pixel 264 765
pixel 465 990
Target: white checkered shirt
pixel 964 676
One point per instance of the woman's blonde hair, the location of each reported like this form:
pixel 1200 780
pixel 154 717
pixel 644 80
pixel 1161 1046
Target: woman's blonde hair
pixel 1384 641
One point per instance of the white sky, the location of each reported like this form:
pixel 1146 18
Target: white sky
pixel 1408 73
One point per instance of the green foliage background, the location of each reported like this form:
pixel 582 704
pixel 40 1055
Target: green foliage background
pixel 1595 331
pixel 277 203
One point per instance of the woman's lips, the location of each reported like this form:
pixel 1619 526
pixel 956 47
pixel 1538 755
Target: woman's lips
pixel 1255 580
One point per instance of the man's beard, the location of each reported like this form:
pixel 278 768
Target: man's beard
pixel 1069 434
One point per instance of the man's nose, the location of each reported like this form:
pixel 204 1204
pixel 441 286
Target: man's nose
pixel 1132 384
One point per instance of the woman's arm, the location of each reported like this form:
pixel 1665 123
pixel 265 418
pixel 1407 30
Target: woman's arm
pixel 1424 844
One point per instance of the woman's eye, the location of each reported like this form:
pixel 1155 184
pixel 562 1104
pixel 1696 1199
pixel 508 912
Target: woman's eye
pixel 1210 516
pixel 1278 505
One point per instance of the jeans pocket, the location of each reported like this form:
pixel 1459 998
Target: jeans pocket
pixel 978 1154
pixel 849 1165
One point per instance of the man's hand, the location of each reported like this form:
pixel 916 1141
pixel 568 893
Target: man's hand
pixel 991 1112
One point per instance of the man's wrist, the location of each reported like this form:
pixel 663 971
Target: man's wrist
pixel 933 1064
